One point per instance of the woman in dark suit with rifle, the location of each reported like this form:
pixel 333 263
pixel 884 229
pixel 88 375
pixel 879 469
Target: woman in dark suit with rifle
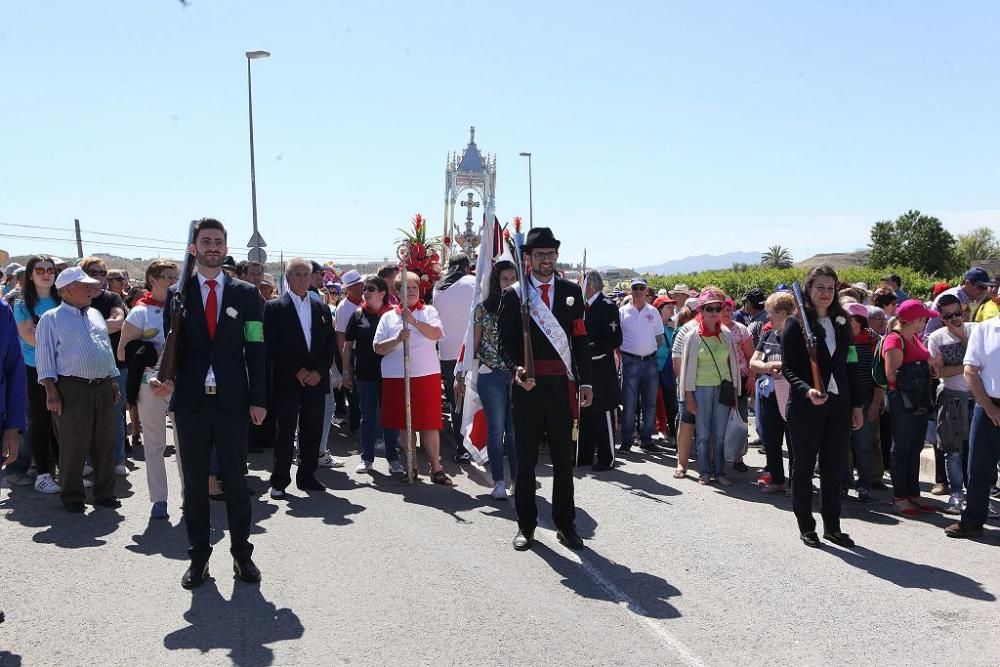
pixel 816 347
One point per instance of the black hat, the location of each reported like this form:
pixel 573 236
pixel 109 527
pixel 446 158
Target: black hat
pixel 228 262
pixel 540 237
pixel 316 266
pixel 756 296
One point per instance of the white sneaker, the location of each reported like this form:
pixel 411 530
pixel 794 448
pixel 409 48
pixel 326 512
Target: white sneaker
pixel 396 468
pixel 87 470
pixel 121 470
pixel 954 504
pixel 45 484
pixel 363 468
pixel 499 491
pixel 87 484
pixel 328 460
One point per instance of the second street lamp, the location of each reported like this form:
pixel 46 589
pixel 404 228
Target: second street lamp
pixel 256 244
pixel 531 202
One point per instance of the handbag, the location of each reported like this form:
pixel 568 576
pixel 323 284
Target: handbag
pixel 727 391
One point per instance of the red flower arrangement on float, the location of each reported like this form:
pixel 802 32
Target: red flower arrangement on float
pixel 423 256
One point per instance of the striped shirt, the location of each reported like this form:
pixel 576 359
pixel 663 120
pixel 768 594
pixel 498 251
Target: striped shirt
pixel 73 342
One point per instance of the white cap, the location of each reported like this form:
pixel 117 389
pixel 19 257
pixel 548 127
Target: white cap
pixel 350 278
pixel 74 274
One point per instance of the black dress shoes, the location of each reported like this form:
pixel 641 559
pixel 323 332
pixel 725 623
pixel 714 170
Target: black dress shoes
pixel 75 508
pixel 311 484
pixel 600 467
pixel 195 576
pixel 570 538
pixel 839 538
pixel 522 541
pixel 111 503
pixel 245 570
pixel 810 539
pixel 652 448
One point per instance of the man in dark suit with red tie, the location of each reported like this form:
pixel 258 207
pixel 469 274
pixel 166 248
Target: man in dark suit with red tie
pixel 300 343
pixel 220 379
pixel 544 406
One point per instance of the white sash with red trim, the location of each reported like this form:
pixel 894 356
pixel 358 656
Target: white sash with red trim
pixel 549 325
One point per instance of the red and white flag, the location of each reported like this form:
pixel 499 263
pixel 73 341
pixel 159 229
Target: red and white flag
pixel 474 428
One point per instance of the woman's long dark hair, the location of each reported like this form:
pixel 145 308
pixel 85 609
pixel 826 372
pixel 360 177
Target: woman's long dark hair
pixel 834 311
pixel 30 292
pixel 492 302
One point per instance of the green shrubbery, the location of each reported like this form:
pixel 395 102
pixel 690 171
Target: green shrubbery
pixel 738 283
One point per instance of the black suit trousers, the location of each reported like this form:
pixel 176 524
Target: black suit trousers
pixel 300 408
pixel 822 432
pixel 544 412
pixel 200 431
pixel 596 434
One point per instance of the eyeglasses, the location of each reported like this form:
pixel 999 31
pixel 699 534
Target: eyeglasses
pixel 43 270
pixel 372 288
pixel 542 256
pixel 951 316
pixel 171 279
pixel 97 274
pixel 711 309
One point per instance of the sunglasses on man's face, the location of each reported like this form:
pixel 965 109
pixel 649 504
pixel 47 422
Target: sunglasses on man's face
pixel 951 316
pixel 42 270
pixel 711 309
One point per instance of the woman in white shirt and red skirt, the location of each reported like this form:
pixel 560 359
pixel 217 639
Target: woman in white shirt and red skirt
pixel 424 331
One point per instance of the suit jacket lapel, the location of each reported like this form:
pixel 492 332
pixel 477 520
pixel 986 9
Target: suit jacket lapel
pixel 293 320
pixel 195 306
pixel 228 294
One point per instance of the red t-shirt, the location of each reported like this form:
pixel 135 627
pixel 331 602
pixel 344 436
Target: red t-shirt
pixel 913 351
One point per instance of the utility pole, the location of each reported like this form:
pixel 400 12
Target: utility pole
pixel 79 241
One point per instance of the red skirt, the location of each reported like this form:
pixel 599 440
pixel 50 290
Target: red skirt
pixel 425 403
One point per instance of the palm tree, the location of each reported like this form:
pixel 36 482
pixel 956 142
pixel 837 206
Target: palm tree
pixel 776 257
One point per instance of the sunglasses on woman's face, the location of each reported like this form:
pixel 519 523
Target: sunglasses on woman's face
pixel 42 270
pixel 372 288
pixel 97 273
pixel 711 309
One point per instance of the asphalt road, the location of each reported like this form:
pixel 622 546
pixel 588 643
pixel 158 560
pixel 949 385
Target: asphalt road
pixel 378 572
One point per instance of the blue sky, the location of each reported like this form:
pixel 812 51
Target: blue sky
pixel 659 129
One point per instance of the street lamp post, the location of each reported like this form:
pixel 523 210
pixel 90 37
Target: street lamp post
pixel 256 244
pixel 531 201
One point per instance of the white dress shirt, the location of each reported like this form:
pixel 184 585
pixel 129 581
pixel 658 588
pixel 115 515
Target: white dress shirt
pixel 303 308
pixel 537 284
pixel 220 281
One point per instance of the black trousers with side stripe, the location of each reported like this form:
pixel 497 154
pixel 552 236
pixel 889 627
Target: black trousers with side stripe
pixel 596 435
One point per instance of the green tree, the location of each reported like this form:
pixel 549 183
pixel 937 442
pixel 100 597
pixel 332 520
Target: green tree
pixel 776 257
pixel 917 241
pixel 978 244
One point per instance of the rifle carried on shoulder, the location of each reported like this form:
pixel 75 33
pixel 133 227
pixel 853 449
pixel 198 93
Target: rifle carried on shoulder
pixel 528 361
pixel 810 339
pixel 168 360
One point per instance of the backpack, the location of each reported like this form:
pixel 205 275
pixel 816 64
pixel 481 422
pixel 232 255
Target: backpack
pixel 878 365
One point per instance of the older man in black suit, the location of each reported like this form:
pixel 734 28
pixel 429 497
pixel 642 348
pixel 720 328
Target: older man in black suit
pixel 220 378
pixel 604 333
pixel 300 345
pixel 543 406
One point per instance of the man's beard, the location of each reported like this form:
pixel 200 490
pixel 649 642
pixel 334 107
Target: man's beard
pixel 543 272
pixel 210 261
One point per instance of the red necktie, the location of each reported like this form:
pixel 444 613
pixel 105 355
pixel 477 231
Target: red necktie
pixel 211 308
pixel 545 295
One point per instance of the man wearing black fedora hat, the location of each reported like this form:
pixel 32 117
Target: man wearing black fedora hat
pixel 545 406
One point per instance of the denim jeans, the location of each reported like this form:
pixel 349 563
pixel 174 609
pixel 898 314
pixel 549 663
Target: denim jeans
pixel 370 393
pixel 710 431
pixel 639 378
pixel 861 447
pixel 908 434
pixel 494 392
pixel 984 452
pixel 120 417
pixel 328 407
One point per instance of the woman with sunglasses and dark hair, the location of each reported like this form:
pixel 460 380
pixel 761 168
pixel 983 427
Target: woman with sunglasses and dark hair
pixel 362 368
pixel 820 420
pixel 495 379
pixel 38 297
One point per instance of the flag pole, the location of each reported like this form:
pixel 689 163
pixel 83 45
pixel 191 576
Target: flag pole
pixel 403 252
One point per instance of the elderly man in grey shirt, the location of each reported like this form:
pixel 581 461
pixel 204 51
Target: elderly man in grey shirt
pixel 77 367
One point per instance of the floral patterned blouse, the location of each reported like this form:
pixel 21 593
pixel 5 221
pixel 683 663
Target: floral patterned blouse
pixel 489 346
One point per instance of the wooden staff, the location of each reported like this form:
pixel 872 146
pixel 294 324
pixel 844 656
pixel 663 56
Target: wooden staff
pixel 403 253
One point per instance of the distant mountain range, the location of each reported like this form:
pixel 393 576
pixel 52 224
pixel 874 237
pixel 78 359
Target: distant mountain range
pixel 701 263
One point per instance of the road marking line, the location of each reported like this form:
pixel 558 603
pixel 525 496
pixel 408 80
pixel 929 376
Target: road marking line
pixel 635 609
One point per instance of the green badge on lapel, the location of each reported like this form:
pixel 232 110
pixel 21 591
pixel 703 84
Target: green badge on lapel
pixel 253 332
